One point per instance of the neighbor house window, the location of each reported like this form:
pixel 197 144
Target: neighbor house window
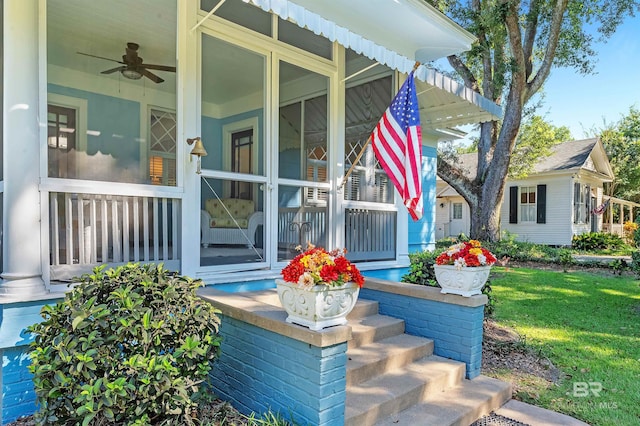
pixel 581 203
pixel 457 211
pixel 528 203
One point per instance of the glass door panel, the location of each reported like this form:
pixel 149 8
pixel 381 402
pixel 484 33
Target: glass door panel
pixel 303 124
pixel 231 229
pixel 232 205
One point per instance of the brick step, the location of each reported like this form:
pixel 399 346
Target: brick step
pixel 376 358
pixel 399 389
pixel 458 406
pixel 363 309
pixel 373 328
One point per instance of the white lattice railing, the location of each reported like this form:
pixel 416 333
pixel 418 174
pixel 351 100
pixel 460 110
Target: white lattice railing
pixel 89 229
pixel 370 234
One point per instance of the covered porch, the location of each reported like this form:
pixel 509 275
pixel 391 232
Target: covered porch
pixel 617 213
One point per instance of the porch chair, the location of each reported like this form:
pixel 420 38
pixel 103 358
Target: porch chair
pixel 217 227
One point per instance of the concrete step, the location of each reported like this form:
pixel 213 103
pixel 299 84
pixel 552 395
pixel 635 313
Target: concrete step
pixel 363 309
pixel 373 328
pixel 458 406
pixel 374 359
pixel 399 389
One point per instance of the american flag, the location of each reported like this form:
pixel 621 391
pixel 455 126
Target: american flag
pixel 397 143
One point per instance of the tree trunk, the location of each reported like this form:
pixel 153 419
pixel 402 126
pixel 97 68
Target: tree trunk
pixel 485 220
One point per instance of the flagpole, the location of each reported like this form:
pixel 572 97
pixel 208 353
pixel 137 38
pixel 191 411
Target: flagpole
pixel 364 147
pixel 353 165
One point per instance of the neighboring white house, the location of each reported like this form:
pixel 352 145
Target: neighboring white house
pixel 552 204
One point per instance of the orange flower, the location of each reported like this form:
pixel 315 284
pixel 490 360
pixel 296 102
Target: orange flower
pixel 316 266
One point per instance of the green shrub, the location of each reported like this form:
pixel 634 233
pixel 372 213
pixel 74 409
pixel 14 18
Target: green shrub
pixel 421 269
pixel 126 346
pixel 635 262
pixel 592 241
pixel 565 258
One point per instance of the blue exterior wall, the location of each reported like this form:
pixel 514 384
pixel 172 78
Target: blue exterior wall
pixel 115 126
pixel 422 233
pixel 455 330
pixel 259 370
pixel 18 395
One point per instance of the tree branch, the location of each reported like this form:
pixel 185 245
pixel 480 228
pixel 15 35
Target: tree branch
pixel 456 178
pixel 536 83
pixel 466 74
pixel 530 35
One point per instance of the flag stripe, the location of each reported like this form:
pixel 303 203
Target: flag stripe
pixel 397 143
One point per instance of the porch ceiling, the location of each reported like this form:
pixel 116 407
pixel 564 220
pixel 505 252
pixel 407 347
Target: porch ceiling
pixel 104 29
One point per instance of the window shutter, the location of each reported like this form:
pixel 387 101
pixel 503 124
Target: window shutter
pixel 541 208
pixel 513 204
pixel 587 204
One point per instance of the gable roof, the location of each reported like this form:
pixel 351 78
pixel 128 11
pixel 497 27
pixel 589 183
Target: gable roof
pixel 588 154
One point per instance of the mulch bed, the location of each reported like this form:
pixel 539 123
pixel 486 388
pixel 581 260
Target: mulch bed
pixel 503 350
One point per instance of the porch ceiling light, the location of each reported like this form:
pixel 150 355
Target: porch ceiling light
pixel 131 74
pixel 198 150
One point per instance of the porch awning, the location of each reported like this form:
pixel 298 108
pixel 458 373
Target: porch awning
pixel 396 33
pixel 393 32
pixel 446 103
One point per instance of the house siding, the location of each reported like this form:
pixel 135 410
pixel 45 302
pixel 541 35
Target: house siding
pixel 557 230
pixel 422 232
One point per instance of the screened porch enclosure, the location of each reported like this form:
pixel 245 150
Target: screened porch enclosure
pixel 256 212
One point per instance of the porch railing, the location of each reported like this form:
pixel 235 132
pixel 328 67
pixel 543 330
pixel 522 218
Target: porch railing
pixel 91 229
pixel 299 225
pixel 370 234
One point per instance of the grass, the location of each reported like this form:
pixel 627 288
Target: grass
pixel 588 325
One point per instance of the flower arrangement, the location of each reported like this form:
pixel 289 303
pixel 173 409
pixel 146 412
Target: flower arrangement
pixel 467 253
pixel 317 266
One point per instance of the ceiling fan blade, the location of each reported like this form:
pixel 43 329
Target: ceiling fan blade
pixel 112 70
pixel 100 57
pixel 159 67
pixel 151 76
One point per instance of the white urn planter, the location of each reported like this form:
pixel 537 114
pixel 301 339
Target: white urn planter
pixel 317 307
pixel 466 281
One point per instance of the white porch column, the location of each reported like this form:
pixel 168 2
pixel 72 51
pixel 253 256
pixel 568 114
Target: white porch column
pixel 21 244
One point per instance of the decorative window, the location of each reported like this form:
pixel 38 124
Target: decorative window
pixel 162 147
pixel 528 204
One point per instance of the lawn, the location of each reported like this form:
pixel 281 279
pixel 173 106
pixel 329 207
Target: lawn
pixel 588 325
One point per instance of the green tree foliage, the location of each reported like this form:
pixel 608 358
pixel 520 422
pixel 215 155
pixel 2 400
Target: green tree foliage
pixel 622 143
pixel 535 139
pixel 519 43
pixel 126 346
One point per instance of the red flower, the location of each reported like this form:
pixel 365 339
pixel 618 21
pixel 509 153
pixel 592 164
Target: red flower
pixel 322 267
pixel 329 273
pixel 468 253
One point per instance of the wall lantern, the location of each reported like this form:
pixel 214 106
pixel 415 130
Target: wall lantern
pixel 442 205
pixel 198 150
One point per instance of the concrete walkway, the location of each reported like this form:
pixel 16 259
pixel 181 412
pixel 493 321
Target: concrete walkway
pixel 536 416
pixel 588 258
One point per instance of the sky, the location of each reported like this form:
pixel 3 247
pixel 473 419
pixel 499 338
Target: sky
pixel 584 102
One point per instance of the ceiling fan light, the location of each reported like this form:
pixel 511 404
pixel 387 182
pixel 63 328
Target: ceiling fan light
pixel 131 74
